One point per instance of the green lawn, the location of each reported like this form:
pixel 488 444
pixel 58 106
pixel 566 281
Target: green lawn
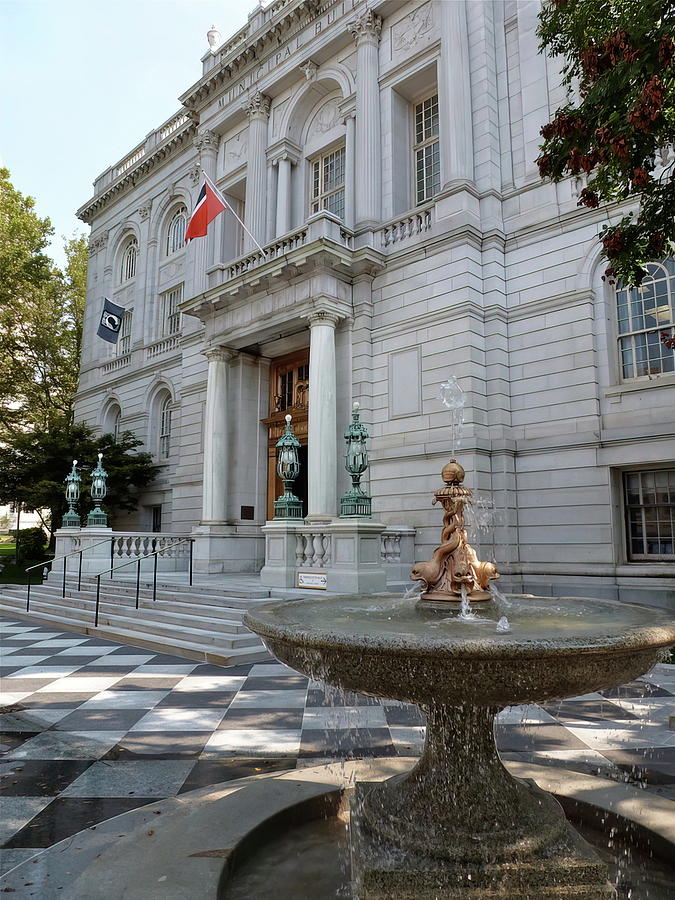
pixel 11 573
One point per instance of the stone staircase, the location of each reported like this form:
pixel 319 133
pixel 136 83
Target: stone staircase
pixel 196 622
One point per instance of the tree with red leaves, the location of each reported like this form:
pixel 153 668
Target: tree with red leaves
pixel 618 127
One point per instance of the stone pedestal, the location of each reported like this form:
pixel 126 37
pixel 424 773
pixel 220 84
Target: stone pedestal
pixel 347 552
pixel 226 548
pixel 95 544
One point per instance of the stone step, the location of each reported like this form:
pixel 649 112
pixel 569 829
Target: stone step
pixel 186 593
pixel 218 654
pixel 162 610
pixel 206 589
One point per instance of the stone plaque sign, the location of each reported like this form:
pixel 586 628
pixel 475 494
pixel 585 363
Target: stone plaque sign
pixel 317 581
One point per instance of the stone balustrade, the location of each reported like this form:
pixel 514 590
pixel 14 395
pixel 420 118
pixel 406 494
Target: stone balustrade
pixel 165 345
pixel 313 549
pixel 119 362
pixel 132 545
pixel 409 226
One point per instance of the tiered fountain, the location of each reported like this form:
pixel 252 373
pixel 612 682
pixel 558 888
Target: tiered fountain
pixel 458 824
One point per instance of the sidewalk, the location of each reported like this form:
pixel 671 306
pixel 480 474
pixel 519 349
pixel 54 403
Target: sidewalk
pixel 91 729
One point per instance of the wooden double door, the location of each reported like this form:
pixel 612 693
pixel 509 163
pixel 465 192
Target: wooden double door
pixel 289 394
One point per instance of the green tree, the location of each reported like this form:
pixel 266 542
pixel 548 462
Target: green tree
pixel 41 312
pixel 34 465
pixel 619 65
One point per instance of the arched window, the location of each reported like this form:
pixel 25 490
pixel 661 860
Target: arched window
pixel 643 313
pixel 116 424
pixel 129 257
pixel 175 236
pixel 165 410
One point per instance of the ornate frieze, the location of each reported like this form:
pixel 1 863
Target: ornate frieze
pixel 258 105
pixel 366 27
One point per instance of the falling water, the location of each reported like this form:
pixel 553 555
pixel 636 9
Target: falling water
pixel 465 613
pixel 503 626
pixel 500 599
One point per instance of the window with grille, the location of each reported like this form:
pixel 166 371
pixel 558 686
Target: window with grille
pixel 643 313
pixel 117 422
pixel 650 514
pixel 328 183
pixel 290 383
pixel 124 340
pixel 175 238
pixel 171 316
pixel 165 428
pixel 426 152
pixel 129 258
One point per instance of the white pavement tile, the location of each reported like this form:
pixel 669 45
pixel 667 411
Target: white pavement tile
pixel 180 719
pixel 61 642
pixel 124 700
pixel 627 734
pixel 86 651
pixel 407 736
pixel 67 745
pixel 15 629
pixel 73 684
pixel 120 660
pixel 23 661
pixel 127 778
pixel 525 715
pixel 654 709
pixel 210 683
pixel 11 858
pixel 588 757
pixel 9 698
pixel 265 669
pixel 17 812
pixel 163 669
pixel 269 700
pixel 36 671
pixel 253 742
pixel 34 719
pixel 344 717
pixel 46 636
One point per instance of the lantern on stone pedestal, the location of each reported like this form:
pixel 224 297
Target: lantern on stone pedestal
pixel 71 519
pixel 288 506
pixel 355 503
pixel 98 491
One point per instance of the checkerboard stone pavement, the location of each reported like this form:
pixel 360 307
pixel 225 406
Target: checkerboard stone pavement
pixel 91 729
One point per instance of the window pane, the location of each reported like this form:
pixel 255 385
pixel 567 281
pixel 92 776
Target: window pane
pixel 650 515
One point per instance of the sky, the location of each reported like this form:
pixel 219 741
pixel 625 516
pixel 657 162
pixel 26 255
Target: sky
pixel 82 82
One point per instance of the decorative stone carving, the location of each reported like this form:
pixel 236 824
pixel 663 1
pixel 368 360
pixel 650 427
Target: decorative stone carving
pixel 366 27
pixel 144 211
pixel 99 243
pixel 195 174
pixel 258 105
pixel 214 37
pixel 309 70
pixel 206 140
pixel 235 150
pixel 326 119
pixel 411 29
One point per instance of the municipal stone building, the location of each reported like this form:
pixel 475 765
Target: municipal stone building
pixel 383 154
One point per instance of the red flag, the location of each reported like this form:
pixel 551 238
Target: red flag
pixel 210 204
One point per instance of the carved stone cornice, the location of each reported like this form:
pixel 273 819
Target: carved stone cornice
pixel 258 106
pixel 206 140
pixel 284 149
pixel 219 354
pixel 366 27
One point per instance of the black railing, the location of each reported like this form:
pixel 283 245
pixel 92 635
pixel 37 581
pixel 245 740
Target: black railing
pixel 138 561
pixel 50 562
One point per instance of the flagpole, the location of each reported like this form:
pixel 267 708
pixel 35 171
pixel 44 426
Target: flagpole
pixel 229 206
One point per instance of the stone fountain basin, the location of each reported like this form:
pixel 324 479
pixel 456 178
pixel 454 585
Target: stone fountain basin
pixel 383 645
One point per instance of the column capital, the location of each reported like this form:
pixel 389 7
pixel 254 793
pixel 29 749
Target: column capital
pixel 206 140
pixel 366 27
pixel 258 106
pixel 219 354
pixel 284 149
pixel 323 317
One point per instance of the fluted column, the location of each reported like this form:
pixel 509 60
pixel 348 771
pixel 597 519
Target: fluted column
pixel 258 110
pixel 284 194
pixel 204 249
pixel 350 150
pixel 366 30
pixel 454 90
pixel 322 426
pixel 216 424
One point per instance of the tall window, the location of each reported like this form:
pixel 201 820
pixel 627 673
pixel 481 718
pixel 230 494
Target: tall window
pixel 650 514
pixel 171 317
pixel 328 183
pixel 165 428
pixel 124 340
pixel 175 237
pixel 426 152
pixel 117 422
pixel 129 258
pixel 643 313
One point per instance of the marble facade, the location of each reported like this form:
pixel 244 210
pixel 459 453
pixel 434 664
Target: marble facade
pixel 496 278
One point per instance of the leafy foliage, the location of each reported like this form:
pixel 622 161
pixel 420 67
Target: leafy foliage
pixel 619 66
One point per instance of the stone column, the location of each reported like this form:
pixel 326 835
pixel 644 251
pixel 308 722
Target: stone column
pixel 204 249
pixel 454 94
pixel 258 110
pixel 350 150
pixel 216 426
pixel 284 195
pixel 322 427
pixel 366 30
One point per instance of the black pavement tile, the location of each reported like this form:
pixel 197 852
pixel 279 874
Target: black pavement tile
pixel 351 742
pixel 40 777
pixel 71 660
pixel 213 771
pixel 57 700
pixel 262 718
pixel 652 765
pixel 133 682
pixel 636 689
pixel 404 715
pixel 212 669
pixel 14 685
pixel 536 737
pixel 99 720
pixel 589 711
pixel 197 699
pixel 334 697
pixel 11 740
pixel 65 816
pixel 276 683
pixel 159 745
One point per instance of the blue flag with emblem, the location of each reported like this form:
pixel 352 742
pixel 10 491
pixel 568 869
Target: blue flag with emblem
pixel 111 321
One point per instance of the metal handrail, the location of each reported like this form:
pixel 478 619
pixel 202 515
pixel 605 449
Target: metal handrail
pixel 49 562
pixel 138 562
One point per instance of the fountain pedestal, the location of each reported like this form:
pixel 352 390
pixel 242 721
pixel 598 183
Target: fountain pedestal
pixel 460 825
